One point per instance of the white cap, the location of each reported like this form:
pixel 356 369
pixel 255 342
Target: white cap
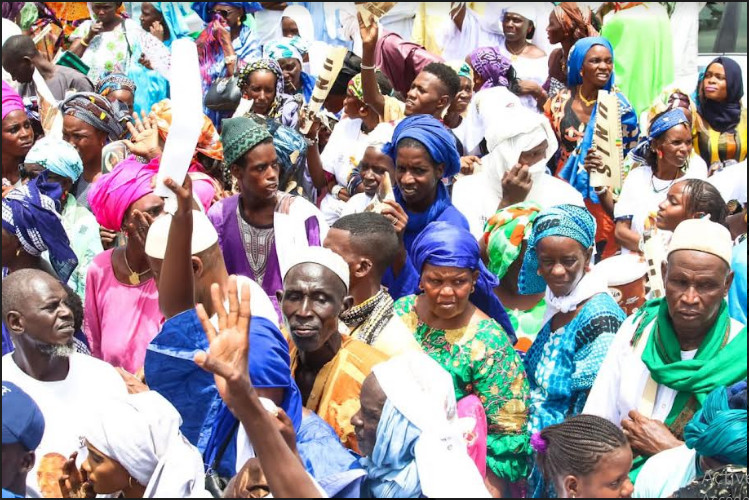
pixel 204 235
pixel 324 257
pixel 622 269
pixel 703 235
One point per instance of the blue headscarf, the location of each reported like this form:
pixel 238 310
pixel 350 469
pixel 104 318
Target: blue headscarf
pixel 435 137
pixel 205 9
pixel 718 429
pixel 392 470
pixel 440 144
pixel 175 17
pixel 30 214
pixel 444 244
pixel 569 221
pixel 660 126
pixel 577 57
pixel 57 156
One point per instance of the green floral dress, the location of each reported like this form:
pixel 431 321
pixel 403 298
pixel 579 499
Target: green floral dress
pixel 482 361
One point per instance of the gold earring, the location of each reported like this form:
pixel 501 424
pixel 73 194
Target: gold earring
pixel 18 252
pixel 130 482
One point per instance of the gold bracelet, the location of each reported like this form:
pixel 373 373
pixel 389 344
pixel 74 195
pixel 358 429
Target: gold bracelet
pixel 83 42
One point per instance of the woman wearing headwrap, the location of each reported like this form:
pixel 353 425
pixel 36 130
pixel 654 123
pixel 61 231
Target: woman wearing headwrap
pixel 118 87
pixel 296 20
pixel 410 433
pixel 466 342
pixel 110 43
pixel 572 113
pixel 260 216
pixel 32 226
pixel 715 437
pixel 529 62
pixel 491 69
pixel 568 23
pixel 120 279
pixel 290 60
pixel 458 107
pixel 506 241
pixel 720 122
pixel 167 21
pixel 90 122
pixel 262 81
pixel 424 152
pixel 135 449
pixel 63 166
pixel 666 152
pixel 226 44
pixel 581 318
pixel 519 144
pixel 18 137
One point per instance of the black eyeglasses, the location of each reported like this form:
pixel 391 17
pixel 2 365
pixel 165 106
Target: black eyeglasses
pixel 223 13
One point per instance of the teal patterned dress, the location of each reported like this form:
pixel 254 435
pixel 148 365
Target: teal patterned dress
pixel 482 361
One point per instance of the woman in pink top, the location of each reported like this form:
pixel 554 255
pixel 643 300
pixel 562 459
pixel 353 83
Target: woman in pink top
pixel 122 313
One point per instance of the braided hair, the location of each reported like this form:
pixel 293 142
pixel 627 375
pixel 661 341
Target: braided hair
pixel 701 196
pixel 575 446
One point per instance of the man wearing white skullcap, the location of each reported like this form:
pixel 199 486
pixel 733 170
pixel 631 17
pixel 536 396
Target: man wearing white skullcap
pixel 184 254
pixel 328 367
pixel 668 356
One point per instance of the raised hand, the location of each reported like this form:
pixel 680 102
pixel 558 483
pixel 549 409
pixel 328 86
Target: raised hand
pixel 369 34
pixel 397 216
pixel 137 229
pixel 157 30
pixel 228 350
pixel 516 184
pixel 468 164
pixel 144 136
pixel 183 192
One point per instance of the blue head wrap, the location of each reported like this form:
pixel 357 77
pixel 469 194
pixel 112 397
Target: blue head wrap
pixel 285 48
pixel 391 470
pixel 30 214
pixel 660 126
pixel 57 156
pixel 718 430
pixel 569 221
pixel 205 9
pixel 175 17
pixel 444 244
pixel 437 140
pixel 577 57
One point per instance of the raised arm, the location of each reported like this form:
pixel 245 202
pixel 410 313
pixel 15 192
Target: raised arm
pixel 372 95
pixel 228 361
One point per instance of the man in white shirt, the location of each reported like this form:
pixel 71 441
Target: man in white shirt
pixel 667 357
pixel 368 243
pixel 66 385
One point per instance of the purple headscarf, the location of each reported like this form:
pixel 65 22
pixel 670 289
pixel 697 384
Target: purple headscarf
pixel 492 66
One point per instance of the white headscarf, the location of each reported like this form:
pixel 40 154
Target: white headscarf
pixel 519 130
pixel 303 20
pixel 422 391
pixel 141 432
pixel 486 110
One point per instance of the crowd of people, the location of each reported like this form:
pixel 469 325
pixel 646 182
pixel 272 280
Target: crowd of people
pixel 417 287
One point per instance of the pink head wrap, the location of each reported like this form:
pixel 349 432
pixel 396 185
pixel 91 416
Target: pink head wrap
pixel 11 100
pixel 113 193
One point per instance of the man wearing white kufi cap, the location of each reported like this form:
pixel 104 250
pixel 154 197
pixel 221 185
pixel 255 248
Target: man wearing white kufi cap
pixel 668 356
pixel 328 367
pixel 184 254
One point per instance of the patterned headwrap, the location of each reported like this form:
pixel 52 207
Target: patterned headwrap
pixel 300 44
pixel 491 66
pixel 671 98
pixel 113 82
pixel 438 141
pixel 113 193
pixel 462 68
pixel 718 429
pixel 209 142
pixel 98 112
pixel 57 156
pixel 240 135
pixel 569 221
pixel 268 65
pixel 658 127
pixel 30 214
pixel 504 234
pixel 576 20
pixel 205 9
pixel 281 49
pixel 576 58
pixel 355 87
pixel 11 100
